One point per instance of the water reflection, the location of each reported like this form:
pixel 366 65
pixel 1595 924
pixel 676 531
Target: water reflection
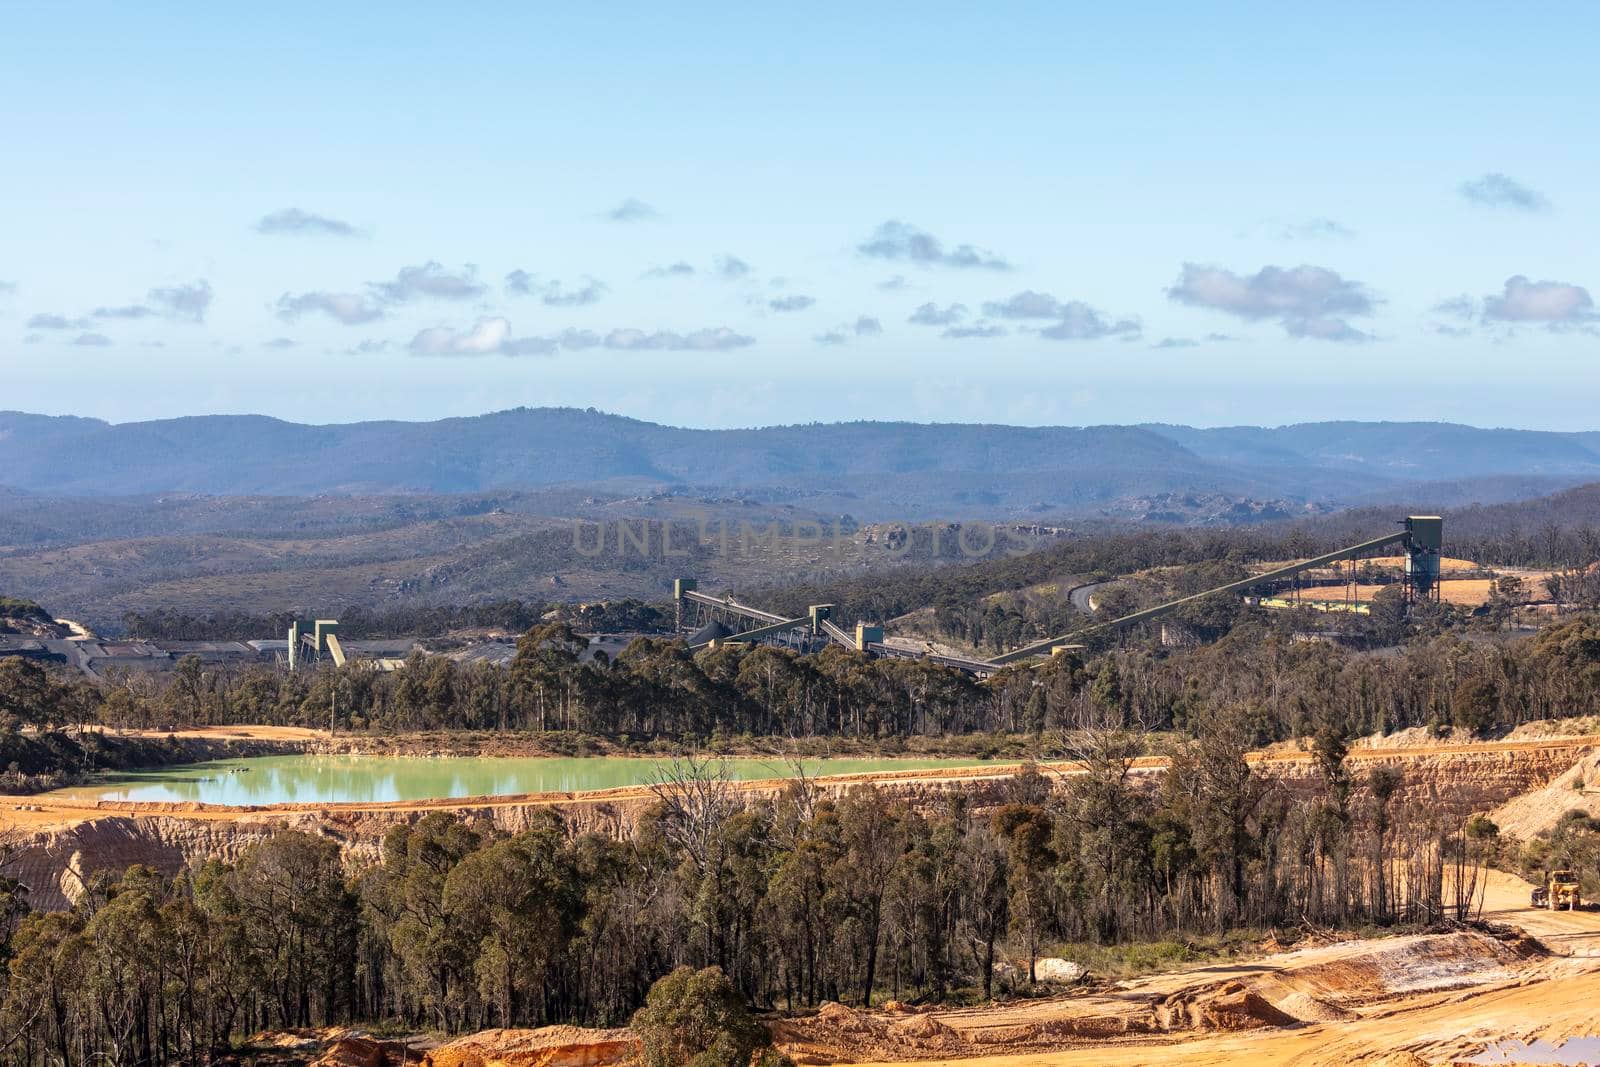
pixel 1574 1050
pixel 366 779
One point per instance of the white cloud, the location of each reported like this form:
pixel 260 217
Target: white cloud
pixel 293 221
pixel 1551 303
pixel 706 340
pixel 521 283
pixel 632 210
pixel 184 301
pixel 900 241
pixel 864 326
pixel 127 311
pixel 1306 301
pixel 431 280
pixel 49 321
pixel 1502 191
pixel 1075 320
pixel 934 315
pixel 1319 229
pixel 679 269
pixel 352 309
pixel 486 336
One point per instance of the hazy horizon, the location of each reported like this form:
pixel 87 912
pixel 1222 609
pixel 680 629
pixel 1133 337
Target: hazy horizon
pixel 803 422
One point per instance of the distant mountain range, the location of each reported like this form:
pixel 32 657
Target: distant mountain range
pixel 954 468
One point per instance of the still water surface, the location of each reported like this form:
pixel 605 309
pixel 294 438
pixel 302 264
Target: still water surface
pixel 339 779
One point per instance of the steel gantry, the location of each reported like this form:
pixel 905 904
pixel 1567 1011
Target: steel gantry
pixel 705 619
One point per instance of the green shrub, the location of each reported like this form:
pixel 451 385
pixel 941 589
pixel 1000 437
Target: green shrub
pixel 697 1019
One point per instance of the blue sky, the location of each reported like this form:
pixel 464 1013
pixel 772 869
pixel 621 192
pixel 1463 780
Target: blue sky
pixel 724 215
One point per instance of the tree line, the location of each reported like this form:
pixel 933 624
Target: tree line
pixel 658 689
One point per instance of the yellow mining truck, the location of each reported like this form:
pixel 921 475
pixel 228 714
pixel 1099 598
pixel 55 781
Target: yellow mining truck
pixel 1560 891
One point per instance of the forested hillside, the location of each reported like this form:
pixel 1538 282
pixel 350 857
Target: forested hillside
pixel 960 468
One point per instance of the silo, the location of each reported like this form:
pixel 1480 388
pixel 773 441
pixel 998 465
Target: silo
pixel 1424 546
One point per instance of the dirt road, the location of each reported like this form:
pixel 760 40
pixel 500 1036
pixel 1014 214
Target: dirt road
pixel 1404 1001
pixel 1565 933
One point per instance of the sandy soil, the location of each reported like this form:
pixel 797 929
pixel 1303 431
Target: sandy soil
pixel 1447 564
pixel 1430 999
pixel 296 734
pixel 1464 592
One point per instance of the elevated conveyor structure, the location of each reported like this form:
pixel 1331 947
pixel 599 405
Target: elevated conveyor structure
pixel 335 649
pixel 699 613
pixel 1422 538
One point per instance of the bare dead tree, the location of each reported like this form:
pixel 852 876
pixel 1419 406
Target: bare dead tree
pixel 697 795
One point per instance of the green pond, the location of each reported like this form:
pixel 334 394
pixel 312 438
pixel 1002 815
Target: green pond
pixel 360 779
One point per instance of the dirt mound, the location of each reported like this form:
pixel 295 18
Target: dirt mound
pixel 1311 1009
pixel 838 1033
pixel 1321 984
pixel 1234 1007
pixel 366 1052
pixel 1054 1033
pixel 924 1028
pixel 836 1016
pixel 549 1046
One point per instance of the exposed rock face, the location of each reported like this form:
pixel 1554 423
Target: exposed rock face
pixel 55 865
pixel 1457 777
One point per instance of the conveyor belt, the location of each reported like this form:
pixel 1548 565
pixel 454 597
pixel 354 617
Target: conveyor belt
pixel 1040 648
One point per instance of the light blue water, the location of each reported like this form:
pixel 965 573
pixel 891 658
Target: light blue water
pixel 1579 1051
pixel 334 779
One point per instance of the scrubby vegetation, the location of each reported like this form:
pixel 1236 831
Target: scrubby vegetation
pixel 25 617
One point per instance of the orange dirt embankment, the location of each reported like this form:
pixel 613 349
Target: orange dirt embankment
pixel 1322 987
pixel 358 1051
pixel 60 842
pixel 550 1046
pixel 1417 1000
pixel 288 734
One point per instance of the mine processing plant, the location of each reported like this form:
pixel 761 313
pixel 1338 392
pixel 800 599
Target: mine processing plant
pixel 705 620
